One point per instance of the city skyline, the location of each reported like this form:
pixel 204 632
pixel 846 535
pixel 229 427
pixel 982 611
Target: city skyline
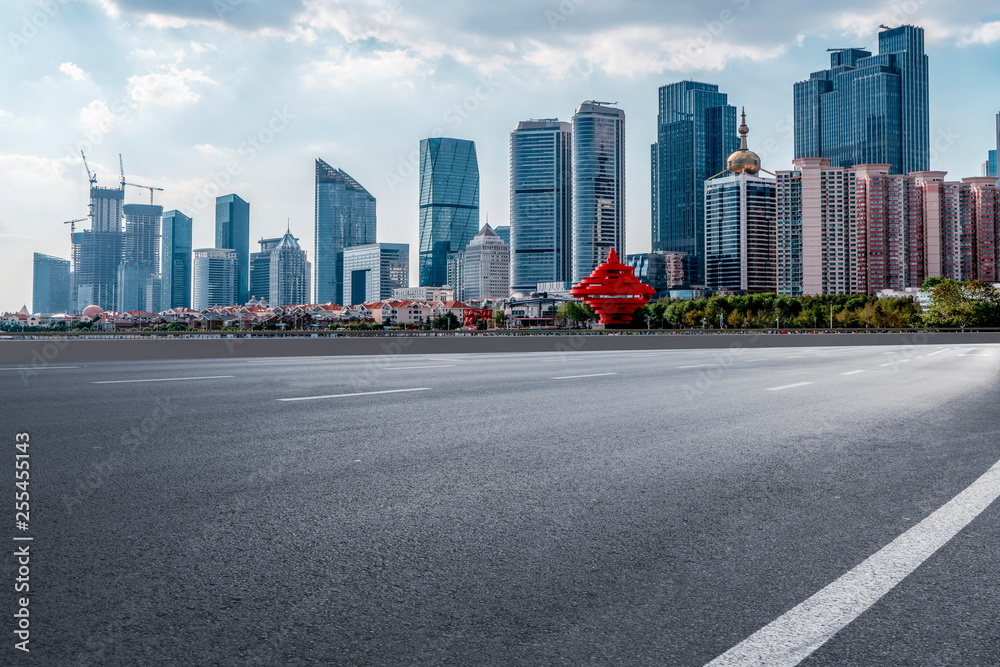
pixel 184 156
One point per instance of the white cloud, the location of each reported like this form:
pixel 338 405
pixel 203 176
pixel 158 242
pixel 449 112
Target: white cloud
pixel 984 33
pixel 73 71
pixel 168 88
pixel 96 118
pixel 397 68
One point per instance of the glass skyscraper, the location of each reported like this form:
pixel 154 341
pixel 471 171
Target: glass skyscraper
pixel 868 109
pixel 232 231
pixel 140 256
pixel 372 272
pixel 541 203
pixel 97 252
pixel 449 204
pixel 175 255
pixel 215 271
pixel 50 285
pixel 288 274
pixel 260 269
pixel 598 186
pixel 345 217
pixel 696 131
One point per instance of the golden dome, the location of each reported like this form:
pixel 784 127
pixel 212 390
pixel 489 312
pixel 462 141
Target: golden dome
pixel 743 161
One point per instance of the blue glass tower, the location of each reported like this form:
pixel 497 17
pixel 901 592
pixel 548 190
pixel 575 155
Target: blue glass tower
pixel 345 217
pixel 50 285
pixel 175 259
pixel 598 186
pixel 869 109
pixel 232 231
pixel 541 204
pixel 449 204
pixel 696 132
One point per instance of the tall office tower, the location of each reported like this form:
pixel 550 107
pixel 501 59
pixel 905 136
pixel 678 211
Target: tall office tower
pixel 598 186
pixel 215 271
pixel 175 254
pixel 695 132
pixel 482 270
pixel 232 231
pixel 97 252
pixel 373 272
pixel 140 255
pixel 345 217
pixel 868 109
pixel 288 274
pixel 449 204
pixel 260 269
pixel 50 285
pixel 990 166
pixel 541 204
pixel 503 231
pixel 740 225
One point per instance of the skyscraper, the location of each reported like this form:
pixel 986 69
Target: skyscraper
pixel 740 225
pixel 140 255
pixel 215 271
pixel 97 252
pixel 345 217
pixel 541 203
pixel 260 269
pixel 598 186
pixel 232 231
pixel 449 204
pixel 175 255
pixel 482 270
pixel 372 272
pixel 50 285
pixel 868 109
pixel 696 131
pixel 289 273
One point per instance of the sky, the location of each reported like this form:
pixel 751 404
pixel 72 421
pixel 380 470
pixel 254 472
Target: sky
pixel 210 97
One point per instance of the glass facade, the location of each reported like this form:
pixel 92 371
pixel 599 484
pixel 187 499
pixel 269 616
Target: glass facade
pixel 696 132
pixel 50 285
pixel 140 255
pixel 598 186
pixel 288 273
pixel 449 204
pixel 175 253
pixel 232 230
pixel 215 271
pixel 740 234
pixel 372 272
pixel 868 109
pixel 345 217
pixel 97 252
pixel 541 204
pixel 260 269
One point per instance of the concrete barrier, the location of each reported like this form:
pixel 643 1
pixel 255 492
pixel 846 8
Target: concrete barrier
pixel 53 350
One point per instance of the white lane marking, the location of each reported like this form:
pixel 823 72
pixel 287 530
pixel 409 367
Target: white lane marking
pixel 39 368
pixel 697 366
pixel 573 377
pixel 408 368
pixel 789 386
pixel 360 393
pixel 852 373
pixel 558 361
pixel 207 377
pixel 792 637
pixel 883 365
pixel 938 352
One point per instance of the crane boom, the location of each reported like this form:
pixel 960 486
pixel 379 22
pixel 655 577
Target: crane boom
pixel 121 165
pixel 146 187
pixel 91 176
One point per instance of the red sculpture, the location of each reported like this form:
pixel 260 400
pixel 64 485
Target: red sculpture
pixel 613 292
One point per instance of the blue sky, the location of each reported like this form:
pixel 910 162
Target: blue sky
pixel 206 97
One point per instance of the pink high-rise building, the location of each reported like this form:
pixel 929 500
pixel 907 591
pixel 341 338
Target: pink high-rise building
pixel 862 230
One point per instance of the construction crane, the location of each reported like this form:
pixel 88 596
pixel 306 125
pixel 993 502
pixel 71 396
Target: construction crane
pixel 72 227
pixel 850 48
pixel 91 176
pixel 147 187
pixel 121 165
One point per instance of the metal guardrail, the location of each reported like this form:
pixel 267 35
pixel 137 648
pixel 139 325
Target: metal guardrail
pixel 194 335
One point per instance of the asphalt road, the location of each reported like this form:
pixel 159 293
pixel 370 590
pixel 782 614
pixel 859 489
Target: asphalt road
pixel 612 508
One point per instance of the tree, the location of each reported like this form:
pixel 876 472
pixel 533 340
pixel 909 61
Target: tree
pixel 949 306
pixel 932 282
pixel 447 321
